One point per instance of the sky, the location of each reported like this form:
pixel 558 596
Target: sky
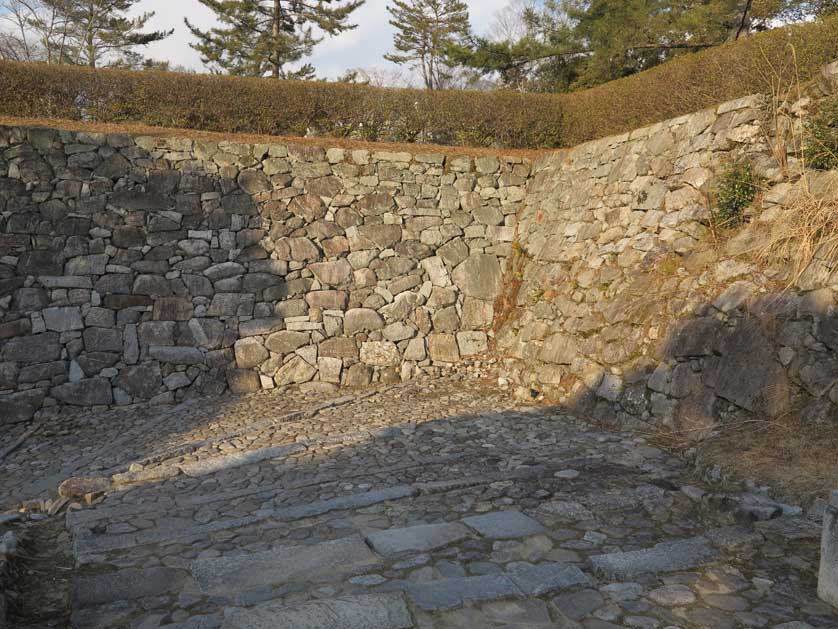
pixel 363 47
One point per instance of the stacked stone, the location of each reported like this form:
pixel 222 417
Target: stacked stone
pixel 628 310
pixel 156 269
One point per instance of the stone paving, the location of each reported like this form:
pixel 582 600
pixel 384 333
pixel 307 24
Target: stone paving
pixel 427 504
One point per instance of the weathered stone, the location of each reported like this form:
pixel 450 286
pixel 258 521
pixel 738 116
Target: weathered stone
pixel 367 611
pixel 361 320
pixel 295 371
pixel 20 407
pixel 332 273
pixel 250 353
pixel 102 340
pixel 286 341
pixel 380 354
pixel 20 327
pixel 63 319
pixel 39 348
pixel 421 538
pixel 504 525
pixel 224 576
pixel 243 380
pixel 664 557
pixel 443 348
pixel 177 355
pixel 479 276
pixel 92 392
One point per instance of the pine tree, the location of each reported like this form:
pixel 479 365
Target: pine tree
pixel 94 32
pixel 425 30
pixel 262 37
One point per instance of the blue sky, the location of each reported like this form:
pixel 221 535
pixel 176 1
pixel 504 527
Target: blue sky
pixel 362 47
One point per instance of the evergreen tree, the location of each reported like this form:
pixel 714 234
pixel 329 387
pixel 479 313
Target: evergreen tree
pixel 425 31
pixel 93 32
pixel 571 44
pixel 261 37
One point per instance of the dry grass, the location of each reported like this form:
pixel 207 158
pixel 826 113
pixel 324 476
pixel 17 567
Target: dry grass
pixel 796 460
pixel 807 230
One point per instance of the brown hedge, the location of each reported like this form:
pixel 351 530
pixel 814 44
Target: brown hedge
pixel 507 119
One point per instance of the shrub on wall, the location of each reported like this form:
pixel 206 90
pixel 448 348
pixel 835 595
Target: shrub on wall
pixel 735 190
pixel 500 119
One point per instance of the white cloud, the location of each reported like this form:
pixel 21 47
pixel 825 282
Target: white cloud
pixel 364 46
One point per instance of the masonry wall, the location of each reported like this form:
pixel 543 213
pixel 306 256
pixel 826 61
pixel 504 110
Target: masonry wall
pixel 150 269
pixel 622 305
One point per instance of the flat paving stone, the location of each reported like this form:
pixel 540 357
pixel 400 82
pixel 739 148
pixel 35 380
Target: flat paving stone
pixel 213 465
pixel 533 581
pixel 228 575
pixel 372 611
pixel 669 556
pixel 125 585
pixel 504 525
pixel 420 538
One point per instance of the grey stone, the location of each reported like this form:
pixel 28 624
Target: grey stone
pixel 504 525
pixel 177 355
pixel 39 348
pixel 367 611
pixel 479 276
pixel 420 538
pixel 63 319
pixel 142 381
pixel 664 557
pixel 531 581
pixel 361 320
pixel 225 576
pixel 20 407
pixel 579 604
pixel 92 392
pixel 828 573
pixel 212 465
pixel 125 585
pixel 250 353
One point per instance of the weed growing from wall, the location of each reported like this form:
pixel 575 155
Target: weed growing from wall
pixel 736 187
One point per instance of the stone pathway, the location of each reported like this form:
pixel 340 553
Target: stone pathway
pixel 428 504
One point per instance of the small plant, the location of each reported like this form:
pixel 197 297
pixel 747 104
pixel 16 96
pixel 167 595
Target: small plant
pixel 820 148
pixel 735 190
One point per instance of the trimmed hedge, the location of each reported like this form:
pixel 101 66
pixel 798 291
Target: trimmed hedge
pixel 503 119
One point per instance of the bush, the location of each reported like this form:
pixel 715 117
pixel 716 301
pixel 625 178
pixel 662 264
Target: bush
pixel 499 119
pixel 820 146
pixel 735 189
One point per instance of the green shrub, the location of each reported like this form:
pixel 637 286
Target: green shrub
pixel 497 119
pixel 735 190
pixel 821 142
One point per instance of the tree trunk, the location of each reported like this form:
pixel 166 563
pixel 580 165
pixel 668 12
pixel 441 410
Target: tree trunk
pixel 277 16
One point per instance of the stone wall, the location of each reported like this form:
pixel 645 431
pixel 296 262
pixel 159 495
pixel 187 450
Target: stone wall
pixel 153 269
pixel 622 305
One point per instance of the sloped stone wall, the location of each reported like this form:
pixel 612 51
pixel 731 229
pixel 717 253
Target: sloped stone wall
pixel 622 305
pixel 151 269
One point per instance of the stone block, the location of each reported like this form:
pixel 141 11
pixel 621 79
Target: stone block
pixel 20 407
pixel 243 380
pixel 63 319
pixel 142 381
pixel 472 343
pixel 40 348
pixel 380 353
pixel 504 525
pixel 413 539
pixel 250 353
pixel 92 392
pixel 443 348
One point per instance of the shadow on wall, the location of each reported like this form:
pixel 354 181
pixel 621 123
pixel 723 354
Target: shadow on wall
pixel 156 270
pixel 743 357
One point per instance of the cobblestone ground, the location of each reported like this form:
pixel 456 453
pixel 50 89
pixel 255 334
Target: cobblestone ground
pixel 426 504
